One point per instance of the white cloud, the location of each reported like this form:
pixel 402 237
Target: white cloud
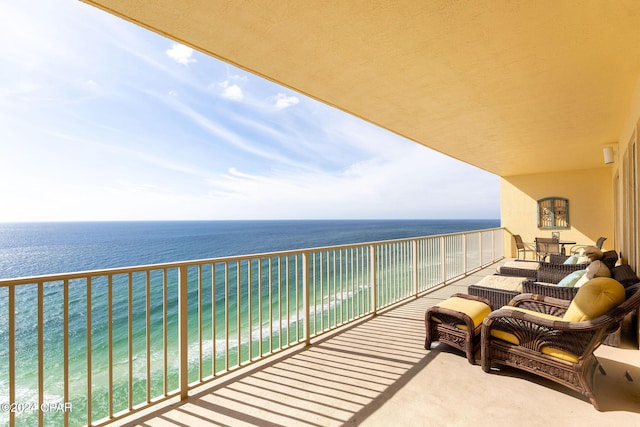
pixel 233 92
pixel 155 126
pixel 223 133
pixel 181 54
pixel 283 101
pixel 407 184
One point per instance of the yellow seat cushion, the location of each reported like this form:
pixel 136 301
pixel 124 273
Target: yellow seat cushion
pixel 560 354
pixel 551 351
pixel 476 310
pixel 594 299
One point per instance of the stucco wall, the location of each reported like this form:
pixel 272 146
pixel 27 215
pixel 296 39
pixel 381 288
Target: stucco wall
pixel 590 198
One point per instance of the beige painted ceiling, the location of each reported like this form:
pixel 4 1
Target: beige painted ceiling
pixel 513 87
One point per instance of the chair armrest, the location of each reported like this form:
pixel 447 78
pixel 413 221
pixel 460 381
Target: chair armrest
pixel 553 324
pixel 575 248
pixel 541 304
pixel 557 258
pixel 554 273
pixel 474 298
pixel 550 290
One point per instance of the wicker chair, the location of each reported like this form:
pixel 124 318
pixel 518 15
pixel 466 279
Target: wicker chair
pixel 551 347
pixel 550 273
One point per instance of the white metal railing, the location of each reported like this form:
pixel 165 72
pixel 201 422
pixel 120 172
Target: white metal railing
pixel 91 347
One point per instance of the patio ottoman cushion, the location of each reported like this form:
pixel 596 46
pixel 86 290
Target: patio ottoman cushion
pixel 499 290
pixel 457 322
pixel 519 268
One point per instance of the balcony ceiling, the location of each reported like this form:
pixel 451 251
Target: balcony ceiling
pixel 511 87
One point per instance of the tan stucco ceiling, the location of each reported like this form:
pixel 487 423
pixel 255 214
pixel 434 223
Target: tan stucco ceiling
pixel 513 87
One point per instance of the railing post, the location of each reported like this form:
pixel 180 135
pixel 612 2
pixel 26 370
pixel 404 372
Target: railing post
pixel 374 278
pixel 443 254
pixel 183 330
pixel 306 298
pixel 480 249
pixel 12 351
pixel 464 253
pixel 414 262
pixel 493 245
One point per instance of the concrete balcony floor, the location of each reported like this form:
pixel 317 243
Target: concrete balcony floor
pixel 377 373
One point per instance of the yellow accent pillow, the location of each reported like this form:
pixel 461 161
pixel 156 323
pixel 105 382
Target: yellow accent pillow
pixel 594 299
pixel 474 309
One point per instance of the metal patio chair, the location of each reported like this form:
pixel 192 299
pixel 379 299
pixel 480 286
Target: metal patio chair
pixel 599 243
pixel 546 246
pixel 522 247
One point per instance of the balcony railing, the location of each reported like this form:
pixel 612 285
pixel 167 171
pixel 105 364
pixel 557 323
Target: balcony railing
pixel 91 347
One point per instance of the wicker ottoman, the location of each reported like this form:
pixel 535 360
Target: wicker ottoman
pixel 520 268
pixel 457 322
pixel 499 290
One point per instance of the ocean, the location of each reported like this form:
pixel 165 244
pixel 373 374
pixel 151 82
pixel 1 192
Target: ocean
pixel 31 249
pixel 28 249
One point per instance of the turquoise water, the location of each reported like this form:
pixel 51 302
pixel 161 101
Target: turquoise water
pixel 34 249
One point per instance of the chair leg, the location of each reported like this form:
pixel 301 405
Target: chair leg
pixel 600 367
pixel 428 331
pixel 470 348
pixel 427 343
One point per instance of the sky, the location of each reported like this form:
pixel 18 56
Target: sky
pixel 103 120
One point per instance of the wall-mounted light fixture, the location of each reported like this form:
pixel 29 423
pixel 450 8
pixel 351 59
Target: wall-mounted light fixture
pixel 609 153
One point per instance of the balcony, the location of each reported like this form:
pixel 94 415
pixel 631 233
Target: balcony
pixel 377 373
pixel 323 336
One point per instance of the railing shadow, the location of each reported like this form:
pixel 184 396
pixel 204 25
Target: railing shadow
pixel 339 380
pixel 376 372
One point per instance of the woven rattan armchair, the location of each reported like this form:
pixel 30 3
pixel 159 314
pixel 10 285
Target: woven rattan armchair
pixel 548 346
pixel 549 273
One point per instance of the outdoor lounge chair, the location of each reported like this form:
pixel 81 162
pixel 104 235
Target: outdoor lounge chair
pixel 555 339
pixel 549 275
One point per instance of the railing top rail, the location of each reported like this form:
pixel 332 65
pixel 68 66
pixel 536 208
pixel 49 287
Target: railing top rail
pixel 234 258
